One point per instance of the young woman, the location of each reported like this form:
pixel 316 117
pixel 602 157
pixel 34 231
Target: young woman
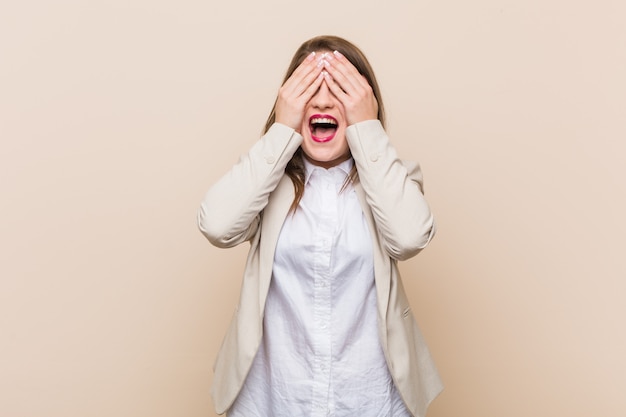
pixel 323 326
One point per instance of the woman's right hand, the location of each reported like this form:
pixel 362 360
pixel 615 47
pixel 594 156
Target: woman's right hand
pixel 296 92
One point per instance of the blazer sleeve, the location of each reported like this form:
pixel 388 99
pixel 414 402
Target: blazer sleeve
pixel 230 211
pixel 393 190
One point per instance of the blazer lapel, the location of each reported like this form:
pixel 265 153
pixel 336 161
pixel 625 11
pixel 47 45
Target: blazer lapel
pixel 381 273
pixel 273 217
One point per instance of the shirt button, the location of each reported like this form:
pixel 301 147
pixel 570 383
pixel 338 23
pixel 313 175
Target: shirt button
pixel 270 159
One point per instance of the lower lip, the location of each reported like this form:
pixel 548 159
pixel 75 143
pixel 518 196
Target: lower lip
pixel 323 140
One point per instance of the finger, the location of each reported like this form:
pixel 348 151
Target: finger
pixel 304 67
pixel 359 107
pixel 346 66
pixel 300 74
pixel 298 85
pixel 334 87
pixel 308 81
pixel 344 72
pixel 310 91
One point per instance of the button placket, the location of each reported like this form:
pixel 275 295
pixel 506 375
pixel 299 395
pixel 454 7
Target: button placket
pixel 322 296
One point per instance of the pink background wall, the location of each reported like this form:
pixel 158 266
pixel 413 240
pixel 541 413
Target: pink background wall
pixel 116 116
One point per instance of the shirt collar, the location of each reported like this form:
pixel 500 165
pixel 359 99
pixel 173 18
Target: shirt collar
pixel 344 167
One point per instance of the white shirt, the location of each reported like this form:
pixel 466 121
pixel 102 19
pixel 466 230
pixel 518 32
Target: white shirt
pixel 321 354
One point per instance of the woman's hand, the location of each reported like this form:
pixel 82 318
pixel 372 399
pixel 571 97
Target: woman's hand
pixel 351 88
pixel 296 92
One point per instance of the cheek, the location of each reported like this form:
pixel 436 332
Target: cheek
pixel 304 128
pixel 341 143
pixel 345 146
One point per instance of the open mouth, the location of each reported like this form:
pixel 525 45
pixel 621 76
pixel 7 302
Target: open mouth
pixel 323 127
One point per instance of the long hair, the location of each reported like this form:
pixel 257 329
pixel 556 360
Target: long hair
pixel 295 167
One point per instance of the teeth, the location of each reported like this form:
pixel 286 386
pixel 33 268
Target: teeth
pixel 324 120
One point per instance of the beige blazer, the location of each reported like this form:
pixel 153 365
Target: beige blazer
pixel 251 202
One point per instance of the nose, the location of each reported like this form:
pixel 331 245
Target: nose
pixel 323 98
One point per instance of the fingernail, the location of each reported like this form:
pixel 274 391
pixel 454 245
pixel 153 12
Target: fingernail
pixel 320 62
pixel 337 53
pixel 311 56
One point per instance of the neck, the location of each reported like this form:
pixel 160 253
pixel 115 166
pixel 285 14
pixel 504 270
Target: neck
pixel 328 164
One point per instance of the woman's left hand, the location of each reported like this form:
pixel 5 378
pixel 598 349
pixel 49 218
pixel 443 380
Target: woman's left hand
pixel 351 89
